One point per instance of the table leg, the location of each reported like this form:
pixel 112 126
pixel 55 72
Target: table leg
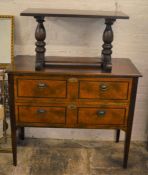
pixel 130 122
pixel 13 136
pixel 14 145
pixel 117 135
pixel 40 35
pixel 22 133
pixel 126 148
pixel 107 46
pixel 12 118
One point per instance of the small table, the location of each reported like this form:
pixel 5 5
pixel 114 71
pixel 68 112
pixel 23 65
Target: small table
pixel 40 33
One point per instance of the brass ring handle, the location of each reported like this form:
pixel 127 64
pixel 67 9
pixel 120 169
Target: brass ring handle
pixel 72 106
pixel 42 85
pixel 103 87
pixel 101 113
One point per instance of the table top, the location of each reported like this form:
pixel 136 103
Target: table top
pixel 122 67
pixel 74 13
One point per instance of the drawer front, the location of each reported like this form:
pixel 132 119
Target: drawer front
pixel 105 90
pixel 41 114
pixel 102 116
pixel 41 88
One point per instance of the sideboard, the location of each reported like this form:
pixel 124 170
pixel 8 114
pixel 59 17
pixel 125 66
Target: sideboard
pixel 72 96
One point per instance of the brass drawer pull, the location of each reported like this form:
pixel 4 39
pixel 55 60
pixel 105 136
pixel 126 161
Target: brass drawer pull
pixel 101 113
pixel 72 80
pixel 41 111
pixel 103 87
pixel 42 85
pixel 72 106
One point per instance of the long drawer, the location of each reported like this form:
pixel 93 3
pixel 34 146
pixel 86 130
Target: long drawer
pixel 46 88
pixel 73 115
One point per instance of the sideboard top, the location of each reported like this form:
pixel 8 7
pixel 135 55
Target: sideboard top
pixel 122 67
pixel 74 13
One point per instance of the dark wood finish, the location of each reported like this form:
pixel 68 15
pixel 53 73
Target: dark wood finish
pixel 123 67
pixel 117 135
pixel 12 118
pixel 40 34
pixel 107 46
pixel 130 122
pixel 74 13
pixel 22 133
pixel 72 96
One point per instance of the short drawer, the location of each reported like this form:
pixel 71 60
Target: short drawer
pixel 41 88
pixel 41 114
pixel 105 90
pixel 102 116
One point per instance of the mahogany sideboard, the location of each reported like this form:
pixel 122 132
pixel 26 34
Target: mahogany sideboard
pixel 69 95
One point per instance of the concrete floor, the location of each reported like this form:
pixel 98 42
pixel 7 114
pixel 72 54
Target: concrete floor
pixel 70 157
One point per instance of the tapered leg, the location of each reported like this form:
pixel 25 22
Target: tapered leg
pixel 22 133
pixel 130 122
pixel 117 135
pixel 14 146
pixel 12 118
pixel 126 147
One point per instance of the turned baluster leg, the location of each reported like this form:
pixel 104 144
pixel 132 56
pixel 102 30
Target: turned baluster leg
pixel 40 35
pixel 107 46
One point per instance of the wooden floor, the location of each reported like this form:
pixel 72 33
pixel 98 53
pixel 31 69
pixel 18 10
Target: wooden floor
pixel 69 157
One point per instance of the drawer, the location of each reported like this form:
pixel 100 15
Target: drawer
pixel 41 88
pixel 105 90
pixel 102 116
pixel 41 114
